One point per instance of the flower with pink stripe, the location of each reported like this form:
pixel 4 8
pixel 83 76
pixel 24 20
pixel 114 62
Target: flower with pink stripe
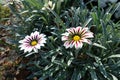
pixel 32 42
pixel 74 37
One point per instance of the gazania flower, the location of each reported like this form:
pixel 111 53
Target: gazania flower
pixel 32 42
pixel 76 37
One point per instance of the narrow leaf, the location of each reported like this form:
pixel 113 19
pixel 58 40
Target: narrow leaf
pixel 114 77
pixel 93 75
pixel 113 56
pixel 87 22
pixel 98 45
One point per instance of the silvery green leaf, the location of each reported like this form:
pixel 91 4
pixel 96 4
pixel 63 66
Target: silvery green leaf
pixel 98 45
pixel 29 54
pixel 113 56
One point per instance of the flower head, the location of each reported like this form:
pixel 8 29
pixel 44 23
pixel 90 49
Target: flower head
pixel 49 5
pixel 76 37
pixel 32 42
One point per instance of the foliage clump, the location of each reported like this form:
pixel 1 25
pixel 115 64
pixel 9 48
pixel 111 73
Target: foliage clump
pixel 67 54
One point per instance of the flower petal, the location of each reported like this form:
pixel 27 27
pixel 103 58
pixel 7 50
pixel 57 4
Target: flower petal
pixel 87 41
pixel 64 38
pixel 78 29
pixel 78 44
pixel 67 44
pixel 88 35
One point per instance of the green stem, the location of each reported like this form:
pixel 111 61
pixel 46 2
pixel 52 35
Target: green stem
pixel 76 52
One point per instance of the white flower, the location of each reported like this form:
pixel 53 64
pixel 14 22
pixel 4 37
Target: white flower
pixel 49 5
pixel 76 37
pixel 32 42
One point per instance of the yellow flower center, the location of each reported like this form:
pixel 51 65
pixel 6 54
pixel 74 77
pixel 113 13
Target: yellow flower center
pixel 76 38
pixel 34 42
